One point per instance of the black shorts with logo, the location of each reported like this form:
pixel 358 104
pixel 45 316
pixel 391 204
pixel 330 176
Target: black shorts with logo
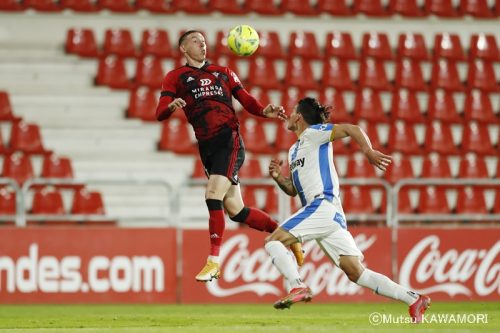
pixel 223 154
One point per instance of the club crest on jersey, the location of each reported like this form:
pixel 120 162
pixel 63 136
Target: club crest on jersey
pixel 205 82
pixel 189 79
pixel 216 74
pixel 297 163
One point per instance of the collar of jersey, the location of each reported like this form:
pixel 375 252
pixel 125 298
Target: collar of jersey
pixel 204 65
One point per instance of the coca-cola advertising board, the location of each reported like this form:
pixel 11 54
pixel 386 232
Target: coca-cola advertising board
pixel 249 276
pixel 87 265
pixel 450 264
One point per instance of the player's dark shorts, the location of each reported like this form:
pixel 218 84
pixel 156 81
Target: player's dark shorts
pixel 223 154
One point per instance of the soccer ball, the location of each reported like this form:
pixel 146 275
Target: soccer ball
pixel 243 40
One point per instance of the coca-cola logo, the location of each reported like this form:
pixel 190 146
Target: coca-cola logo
pixel 429 269
pixel 247 271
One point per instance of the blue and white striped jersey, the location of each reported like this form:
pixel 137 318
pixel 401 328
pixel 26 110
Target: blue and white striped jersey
pixel 311 165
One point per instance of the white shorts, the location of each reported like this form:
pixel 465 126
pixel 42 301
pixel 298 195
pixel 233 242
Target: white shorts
pixel 325 222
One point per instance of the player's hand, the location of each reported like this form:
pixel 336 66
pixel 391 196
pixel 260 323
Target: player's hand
pixel 378 159
pixel 177 103
pixel 275 168
pixel 274 111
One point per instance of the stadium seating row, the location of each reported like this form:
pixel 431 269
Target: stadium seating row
pixel 49 201
pixel 376 8
pixel 404 105
pixel 301 44
pixel 334 73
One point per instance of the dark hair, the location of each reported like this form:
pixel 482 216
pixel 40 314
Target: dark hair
pixel 312 111
pixel 187 33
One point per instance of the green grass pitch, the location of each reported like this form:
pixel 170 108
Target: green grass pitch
pixel 342 318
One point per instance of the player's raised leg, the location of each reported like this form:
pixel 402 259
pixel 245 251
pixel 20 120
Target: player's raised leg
pixel 216 189
pixel 282 259
pixel 254 218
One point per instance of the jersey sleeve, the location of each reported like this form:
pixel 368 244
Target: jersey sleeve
pixel 320 133
pixel 246 100
pixel 168 92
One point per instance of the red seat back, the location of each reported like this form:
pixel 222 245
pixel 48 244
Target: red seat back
pixel 303 44
pixel 470 200
pixel 270 45
pixel 81 42
pixel 17 166
pixel 405 106
pixel 87 202
pixel 47 201
pixel 27 138
pixel 336 74
pixel 119 42
pixel 142 105
pixel 432 200
pixel 340 44
pixel 409 75
pixel 156 42
pixel 149 72
pixel 111 72
pixel 412 45
pixel 299 74
pixel 376 45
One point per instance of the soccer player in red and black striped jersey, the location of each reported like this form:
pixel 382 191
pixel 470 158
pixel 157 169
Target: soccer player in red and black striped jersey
pixel 205 92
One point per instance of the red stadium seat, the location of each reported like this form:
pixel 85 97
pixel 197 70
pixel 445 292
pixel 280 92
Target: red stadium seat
pixel 231 7
pixel 175 137
pixel 87 202
pixel 155 6
pixel 149 72
pixel 299 74
pixel 477 106
pixel 299 7
pixel 142 105
pixel 17 166
pixel 432 200
pixel 270 45
pixel 445 76
pixel 338 111
pixel 12 5
pixel 263 97
pixel 27 138
pixel 263 7
pixel 409 75
pixel 262 73
pixel 339 44
pixel 221 48
pixel 435 166
pixel 476 8
pixel 496 204
pixel 483 46
pixel 405 106
pixel 438 139
pixel 372 75
pixel 407 8
pixel 371 8
pixel 303 44
pixel 47 201
pixel 441 106
pixel 335 7
pixel 111 72
pixel 368 106
pixel 402 138
pixel 472 166
pixel 341 147
pixel 3 147
pixel 254 137
pixel 475 138
pixel 336 74
pixel 85 6
pixel 198 170
pixel 359 167
pixel 56 167
pixel 448 46
pixel 191 6
pixel 7 203
pixel 481 76
pixel 284 138
pixel 470 200
pixel 156 42
pixel 441 8
pixel 5 108
pixel 119 42
pixel 412 45
pixel 289 98
pixel 376 45
pixel 81 42
pixel 357 200
pixel 250 169
pixel 119 6
pixel 229 62
pixel 44 5
pixel 400 168
pixel 271 204
pixel 249 196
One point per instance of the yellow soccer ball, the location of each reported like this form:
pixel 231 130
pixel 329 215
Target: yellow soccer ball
pixel 243 40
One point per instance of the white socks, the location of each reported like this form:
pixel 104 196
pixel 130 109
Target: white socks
pixel 214 259
pixel 382 285
pixel 285 263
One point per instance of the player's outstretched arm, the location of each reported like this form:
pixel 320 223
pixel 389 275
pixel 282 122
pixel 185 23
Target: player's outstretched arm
pixel 274 111
pixel 375 157
pixel 285 183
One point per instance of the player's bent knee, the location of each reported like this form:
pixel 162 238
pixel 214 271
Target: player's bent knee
pixel 241 216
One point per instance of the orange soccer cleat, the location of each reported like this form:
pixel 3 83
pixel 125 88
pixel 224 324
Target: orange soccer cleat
pixel 297 251
pixel 418 308
pixel 296 295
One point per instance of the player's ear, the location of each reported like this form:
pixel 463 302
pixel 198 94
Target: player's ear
pixel 182 48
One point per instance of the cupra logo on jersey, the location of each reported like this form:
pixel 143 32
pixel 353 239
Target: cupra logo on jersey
pixel 205 82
